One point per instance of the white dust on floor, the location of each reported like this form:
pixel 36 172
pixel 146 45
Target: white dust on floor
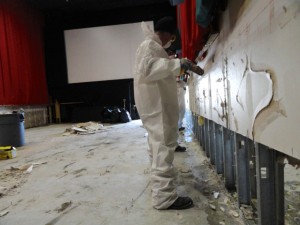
pixel 103 178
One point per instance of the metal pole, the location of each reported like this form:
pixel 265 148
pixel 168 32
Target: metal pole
pixel 219 148
pixel 203 135
pixel 252 169
pixel 207 132
pixel 228 154
pixel 212 142
pixel 242 169
pixel 270 186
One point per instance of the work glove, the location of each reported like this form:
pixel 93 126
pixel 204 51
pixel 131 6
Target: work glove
pixel 186 64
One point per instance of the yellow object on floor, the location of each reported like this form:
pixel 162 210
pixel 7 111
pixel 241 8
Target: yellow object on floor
pixel 8 152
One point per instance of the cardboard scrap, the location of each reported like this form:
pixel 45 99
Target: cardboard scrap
pixel 27 167
pixel 3 213
pixel 213 207
pixel 84 128
pixel 222 209
pixel 185 170
pixel 233 213
pixel 216 194
pixel 247 212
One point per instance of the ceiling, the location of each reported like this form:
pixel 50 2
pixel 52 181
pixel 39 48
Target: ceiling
pixel 68 14
pixel 90 5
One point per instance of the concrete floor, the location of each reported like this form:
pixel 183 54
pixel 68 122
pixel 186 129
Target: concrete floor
pixel 103 178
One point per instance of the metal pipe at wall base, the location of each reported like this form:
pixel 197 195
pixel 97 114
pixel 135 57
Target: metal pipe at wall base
pixel 218 144
pixel 219 149
pixel 206 137
pixel 242 169
pixel 270 186
pixel 229 162
pixel 212 142
pixel 254 170
pixel 203 136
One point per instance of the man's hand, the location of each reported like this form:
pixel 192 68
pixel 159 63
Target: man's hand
pixel 187 64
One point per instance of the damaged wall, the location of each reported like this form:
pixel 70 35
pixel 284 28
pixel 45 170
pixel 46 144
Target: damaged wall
pixel 252 77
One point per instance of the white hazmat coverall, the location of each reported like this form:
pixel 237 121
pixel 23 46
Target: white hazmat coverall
pixel 155 93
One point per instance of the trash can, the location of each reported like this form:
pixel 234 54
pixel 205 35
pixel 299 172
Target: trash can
pixel 12 129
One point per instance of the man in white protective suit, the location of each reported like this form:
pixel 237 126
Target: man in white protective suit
pixel 156 100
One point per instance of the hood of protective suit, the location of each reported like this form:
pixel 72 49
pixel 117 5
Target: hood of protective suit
pixel 149 33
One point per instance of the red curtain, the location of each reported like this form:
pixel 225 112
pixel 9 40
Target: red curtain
pixel 192 35
pixel 22 65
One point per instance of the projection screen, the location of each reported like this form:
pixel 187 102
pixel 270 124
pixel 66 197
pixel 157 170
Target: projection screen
pixel 102 53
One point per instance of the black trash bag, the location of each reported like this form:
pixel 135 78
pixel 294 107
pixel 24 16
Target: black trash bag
pixel 106 115
pixel 124 116
pixel 110 115
pixel 115 115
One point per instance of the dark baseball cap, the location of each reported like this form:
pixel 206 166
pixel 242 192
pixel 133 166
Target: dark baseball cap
pixel 166 24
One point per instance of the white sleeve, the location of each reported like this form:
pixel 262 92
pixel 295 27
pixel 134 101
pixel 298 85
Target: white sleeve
pixel 160 68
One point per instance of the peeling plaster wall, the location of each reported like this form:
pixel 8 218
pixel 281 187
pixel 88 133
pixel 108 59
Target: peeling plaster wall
pixel 252 74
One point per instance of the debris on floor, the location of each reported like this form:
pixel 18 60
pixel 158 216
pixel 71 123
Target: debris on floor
pixel 213 207
pixel 85 174
pixel 292 195
pixel 27 167
pixel 64 206
pixel 84 128
pixel 185 170
pixel 64 212
pixel 15 177
pixel 220 205
pixel 247 211
pixel 11 180
pixel 216 194
pixel 3 213
pixel 234 213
